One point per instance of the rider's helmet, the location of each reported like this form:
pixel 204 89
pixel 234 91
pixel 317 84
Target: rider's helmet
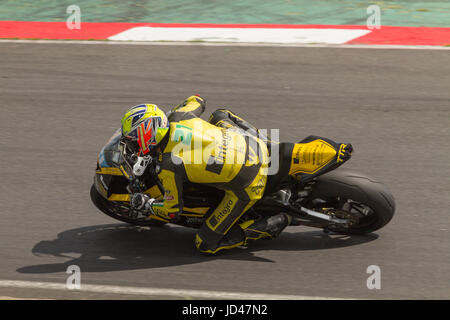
pixel 143 127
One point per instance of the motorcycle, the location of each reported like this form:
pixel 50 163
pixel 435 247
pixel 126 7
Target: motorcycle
pixel 339 201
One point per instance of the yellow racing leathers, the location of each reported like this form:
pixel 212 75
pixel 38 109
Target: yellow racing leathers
pixel 200 152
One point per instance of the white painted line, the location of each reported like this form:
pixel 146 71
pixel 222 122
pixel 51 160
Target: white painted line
pixel 248 35
pixel 229 44
pixel 162 292
pixel 18 298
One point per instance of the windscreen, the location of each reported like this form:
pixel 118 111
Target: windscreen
pixel 111 153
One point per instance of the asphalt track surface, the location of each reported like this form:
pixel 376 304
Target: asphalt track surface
pixel 61 102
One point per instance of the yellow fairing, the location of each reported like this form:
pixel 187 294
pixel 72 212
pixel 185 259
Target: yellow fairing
pixel 119 197
pixel 110 171
pixel 311 157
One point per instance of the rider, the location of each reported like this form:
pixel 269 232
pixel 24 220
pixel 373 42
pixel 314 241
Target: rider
pixel 217 153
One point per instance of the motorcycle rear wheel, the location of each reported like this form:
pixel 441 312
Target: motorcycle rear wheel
pixel 357 194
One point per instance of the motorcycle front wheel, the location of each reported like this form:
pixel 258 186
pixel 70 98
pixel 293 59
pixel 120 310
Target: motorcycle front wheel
pixel 118 210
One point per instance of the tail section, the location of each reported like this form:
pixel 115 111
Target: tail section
pixel 315 155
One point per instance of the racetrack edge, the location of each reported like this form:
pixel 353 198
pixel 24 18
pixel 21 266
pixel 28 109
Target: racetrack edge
pixel 289 34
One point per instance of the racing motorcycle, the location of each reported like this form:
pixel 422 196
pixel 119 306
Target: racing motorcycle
pixel 339 201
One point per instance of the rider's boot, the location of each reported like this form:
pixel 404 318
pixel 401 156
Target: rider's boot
pixel 239 235
pixel 235 237
pixel 266 228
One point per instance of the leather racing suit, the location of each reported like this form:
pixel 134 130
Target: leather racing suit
pixel 219 154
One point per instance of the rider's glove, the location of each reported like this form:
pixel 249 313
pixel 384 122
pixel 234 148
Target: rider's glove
pixel 142 202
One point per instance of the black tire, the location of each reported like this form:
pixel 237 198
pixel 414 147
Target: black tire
pixel 105 206
pixel 366 190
